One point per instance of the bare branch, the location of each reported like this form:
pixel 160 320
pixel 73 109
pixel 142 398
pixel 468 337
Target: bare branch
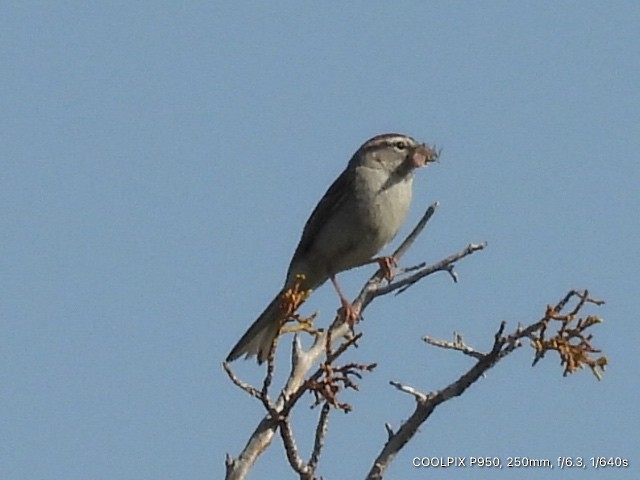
pixel 389 429
pixel 291 449
pixel 417 230
pixel 457 344
pixel 445 265
pixel 327 378
pixel 238 468
pixel 419 396
pixel 321 432
pixel 254 392
pixel 573 357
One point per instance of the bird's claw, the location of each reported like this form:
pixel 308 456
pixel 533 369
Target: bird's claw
pixel 387 264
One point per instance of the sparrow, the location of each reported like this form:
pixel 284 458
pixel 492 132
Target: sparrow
pixel 361 212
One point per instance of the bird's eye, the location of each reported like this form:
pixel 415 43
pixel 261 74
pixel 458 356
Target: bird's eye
pixel 400 145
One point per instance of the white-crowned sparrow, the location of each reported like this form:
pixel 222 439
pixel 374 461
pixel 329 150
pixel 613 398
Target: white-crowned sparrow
pixel 360 213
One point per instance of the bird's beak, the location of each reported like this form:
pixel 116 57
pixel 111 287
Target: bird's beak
pixel 422 155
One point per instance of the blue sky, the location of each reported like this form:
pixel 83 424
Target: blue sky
pixel 158 163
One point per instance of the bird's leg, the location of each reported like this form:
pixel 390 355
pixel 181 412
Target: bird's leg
pixel 352 314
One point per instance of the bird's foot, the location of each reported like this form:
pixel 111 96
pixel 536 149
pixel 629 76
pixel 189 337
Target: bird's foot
pixel 351 313
pixel 387 264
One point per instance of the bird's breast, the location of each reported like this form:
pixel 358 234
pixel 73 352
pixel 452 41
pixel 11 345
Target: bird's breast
pixel 384 204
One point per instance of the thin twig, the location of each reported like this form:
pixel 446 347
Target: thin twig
pixel 446 265
pixel 321 432
pixel 457 344
pixel 254 392
pixel 290 447
pixel 419 396
pixel 417 230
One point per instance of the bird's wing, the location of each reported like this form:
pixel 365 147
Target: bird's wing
pixel 325 209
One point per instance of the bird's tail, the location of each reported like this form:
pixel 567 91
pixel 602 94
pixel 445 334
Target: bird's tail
pixel 260 336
